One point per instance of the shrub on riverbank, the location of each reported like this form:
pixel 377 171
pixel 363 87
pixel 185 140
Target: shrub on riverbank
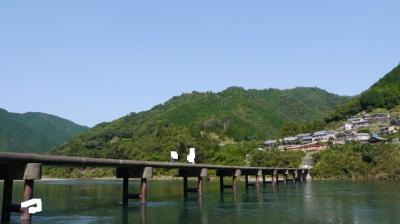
pixel 277 158
pixel 358 161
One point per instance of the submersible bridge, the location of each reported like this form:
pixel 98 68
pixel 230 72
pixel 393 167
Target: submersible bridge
pixel 28 167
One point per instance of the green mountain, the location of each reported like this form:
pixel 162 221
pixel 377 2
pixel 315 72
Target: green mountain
pixel 206 121
pixel 34 132
pixel 383 94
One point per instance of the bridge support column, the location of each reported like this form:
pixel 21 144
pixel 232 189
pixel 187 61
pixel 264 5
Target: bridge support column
pixel 7 200
pixel 125 190
pixel 297 176
pixel 200 185
pixel 294 177
pixel 275 177
pixel 234 183
pixel 221 184
pixel 246 181
pixel 263 180
pixel 10 172
pixel 256 173
pixel 285 177
pixel 139 172
pixel 300 176
pixel 228 173
pixel 267 172
pixel 304 175
pixel 258 180
pixel 200 173
pixel 28 195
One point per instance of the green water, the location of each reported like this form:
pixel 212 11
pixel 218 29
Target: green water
pixel 317 202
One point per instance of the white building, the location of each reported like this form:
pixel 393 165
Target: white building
pixel 362 137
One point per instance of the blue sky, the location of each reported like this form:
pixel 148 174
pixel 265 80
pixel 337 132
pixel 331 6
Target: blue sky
pixel 92 61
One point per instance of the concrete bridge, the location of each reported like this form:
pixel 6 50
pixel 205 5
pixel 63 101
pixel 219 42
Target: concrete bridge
pixel 27 167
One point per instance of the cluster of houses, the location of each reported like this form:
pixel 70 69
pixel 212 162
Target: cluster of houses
pixel 364 120
pixel 351 130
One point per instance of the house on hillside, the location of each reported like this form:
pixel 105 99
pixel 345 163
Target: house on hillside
pixel 361 137
pixel 290 140
pixel 366 116
pixel 352 136
pixel 395 122
pixel 313 147
pixel 388 130
pixel 357 121
pixel 342 136
pixel 306 138
pixel 270 144
pixel 375 138
pixel 347 126
pixel 380 118
pixel 324 136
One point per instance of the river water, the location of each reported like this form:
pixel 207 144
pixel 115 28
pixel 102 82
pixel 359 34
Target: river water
pixel 99 201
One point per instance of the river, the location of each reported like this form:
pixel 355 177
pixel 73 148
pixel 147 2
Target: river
pixel 99 201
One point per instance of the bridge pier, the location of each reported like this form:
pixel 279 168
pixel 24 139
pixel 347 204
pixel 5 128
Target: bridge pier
pixel 286 177
pixel 304 175
pixel 234 173
pixel 270 173
pixel 200 173
pixel 284 174
pixel 7 200
pixel 276 178
pixel 140 172
pixel 10 172
pixel 273 177
pixel 256 173
pixel 292 173
pixel 300 175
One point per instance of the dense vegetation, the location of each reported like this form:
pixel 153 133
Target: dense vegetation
pixel 233 154
pixel 276 158
pixel 358 161
pixel 222 127
pixel 383 94
pixel 294 128
pixel 34 132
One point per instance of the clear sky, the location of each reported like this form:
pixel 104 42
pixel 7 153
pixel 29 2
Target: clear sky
pixel 92 61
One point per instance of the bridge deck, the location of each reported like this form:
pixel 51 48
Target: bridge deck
pixel 54 160
pixel 27 166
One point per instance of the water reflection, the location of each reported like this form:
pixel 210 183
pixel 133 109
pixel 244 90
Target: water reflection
pixel 94 202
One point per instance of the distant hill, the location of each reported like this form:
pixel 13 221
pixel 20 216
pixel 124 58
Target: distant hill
pixel 202 120
pixel 383 94
pixel 34 132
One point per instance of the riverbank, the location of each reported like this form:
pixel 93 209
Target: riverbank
pixel 358 162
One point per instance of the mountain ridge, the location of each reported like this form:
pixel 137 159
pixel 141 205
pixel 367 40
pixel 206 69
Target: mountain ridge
pixel 34 131
pixel 385 93
pixel 204 120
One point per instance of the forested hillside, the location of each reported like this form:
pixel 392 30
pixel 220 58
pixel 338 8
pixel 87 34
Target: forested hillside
pixel 206 121
pixel 34 132
pixel 383 94
pixel 365 161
